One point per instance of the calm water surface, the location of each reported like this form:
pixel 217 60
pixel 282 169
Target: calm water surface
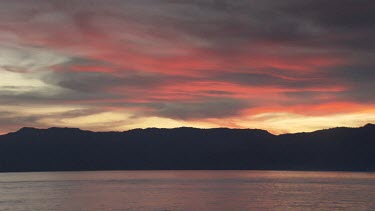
pixel 187 190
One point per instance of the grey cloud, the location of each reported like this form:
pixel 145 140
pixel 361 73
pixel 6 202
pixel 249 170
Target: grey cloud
pixel 101 82
pixel 278 80
pixel 206 108
pixel 93 87
pixel 266 18
pixel 217 92
pixel 21 59
pixel 82 81
pixel 336 13
pixel 332 25
pixel 359 81
pixel 50 96
pixel 310 97
pixel 227 25
pixel 14 69
pixel 358 73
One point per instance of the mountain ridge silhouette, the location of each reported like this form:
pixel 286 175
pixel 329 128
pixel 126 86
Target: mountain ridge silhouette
pixel 185 148
pixel 178 128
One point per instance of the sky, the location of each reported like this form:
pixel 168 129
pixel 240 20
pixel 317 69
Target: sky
pixel 283 66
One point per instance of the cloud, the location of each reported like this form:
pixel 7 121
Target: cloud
pixel 97 81
pixel 23 59
pixel 268 79
pixel 12 120
pixel 203 109
pixel 187 60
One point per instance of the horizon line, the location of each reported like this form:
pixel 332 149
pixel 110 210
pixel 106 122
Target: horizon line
pixel 160 128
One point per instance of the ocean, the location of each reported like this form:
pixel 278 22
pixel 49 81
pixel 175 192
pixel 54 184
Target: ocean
pixel 187 190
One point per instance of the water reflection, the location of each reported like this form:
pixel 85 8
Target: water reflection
pixel 187 190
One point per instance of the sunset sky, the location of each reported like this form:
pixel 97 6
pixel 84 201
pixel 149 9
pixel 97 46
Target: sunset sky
pixel 113 65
